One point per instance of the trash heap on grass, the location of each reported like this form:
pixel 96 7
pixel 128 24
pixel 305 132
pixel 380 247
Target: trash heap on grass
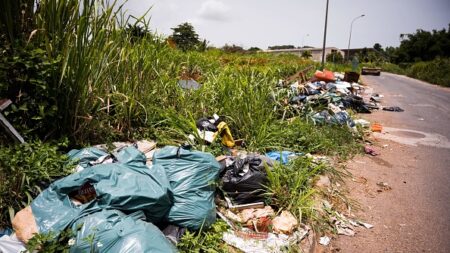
pixel 140 198
pixel 326 97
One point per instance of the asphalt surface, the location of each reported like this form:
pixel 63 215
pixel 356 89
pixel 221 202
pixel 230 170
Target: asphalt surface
pixel 412 214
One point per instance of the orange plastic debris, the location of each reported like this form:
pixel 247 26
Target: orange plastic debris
pixel 377 127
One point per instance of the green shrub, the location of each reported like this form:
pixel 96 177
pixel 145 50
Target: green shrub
pixel 25 170
pixel 27 77
pixel 435 72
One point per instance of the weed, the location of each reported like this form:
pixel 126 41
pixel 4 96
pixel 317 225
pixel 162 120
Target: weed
pixel 205 241
pixel 26 169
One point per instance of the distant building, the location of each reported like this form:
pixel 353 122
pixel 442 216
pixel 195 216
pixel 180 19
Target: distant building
pixel 315 52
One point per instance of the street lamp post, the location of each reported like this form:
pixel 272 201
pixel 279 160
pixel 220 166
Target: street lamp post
pixel 350 37
pixel 325 36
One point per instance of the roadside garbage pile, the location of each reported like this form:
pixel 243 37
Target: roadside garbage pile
pixel 140 198
pixel 326 96
pixel 124 203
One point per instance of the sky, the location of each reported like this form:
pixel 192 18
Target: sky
pixel 263 23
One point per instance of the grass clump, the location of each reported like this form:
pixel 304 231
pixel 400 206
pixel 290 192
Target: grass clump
pixel 290 186
pixel 25 170
pixel 205 240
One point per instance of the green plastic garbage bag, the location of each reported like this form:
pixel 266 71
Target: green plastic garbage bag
pixel 192 176
pixel 84 156
pixel 111 231
pixel 128 185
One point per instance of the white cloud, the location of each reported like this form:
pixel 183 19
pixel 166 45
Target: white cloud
pixel 214 10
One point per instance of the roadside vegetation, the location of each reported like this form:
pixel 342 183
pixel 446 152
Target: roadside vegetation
pixel 423 55
pixel 94 76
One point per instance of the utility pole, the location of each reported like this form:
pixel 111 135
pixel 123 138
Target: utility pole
pixel 325 36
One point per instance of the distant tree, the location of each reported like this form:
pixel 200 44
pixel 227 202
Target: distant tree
pixel 306 54
pixel 282 47
pixel 185 37
pixel 335 57
pixel 378 47
pixel 254 49
pixel 137 32
pixel 422 46
pixel 233 49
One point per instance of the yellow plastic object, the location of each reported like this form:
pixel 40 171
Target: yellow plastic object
pixel 225 133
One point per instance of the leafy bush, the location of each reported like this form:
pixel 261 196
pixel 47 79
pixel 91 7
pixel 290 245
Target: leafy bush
pixel 335 57
pixel 435 72
pixel 26 77
pixel 24 170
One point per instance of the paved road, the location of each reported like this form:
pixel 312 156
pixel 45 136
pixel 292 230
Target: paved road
pixel 413 216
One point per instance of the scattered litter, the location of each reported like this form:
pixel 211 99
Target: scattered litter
pixel 265 243
pixel 5 231
pixel 189 84
pixel 174 233
pixel 362 122
pixel 376 97
pixel 325 240
pixel 283 156
pixel 393 109
pixel 325 75
pixel 210 128
pixel 231 206
pixel 377 127
pixel 366 225
pixel 285 223
pixel 323 182
pixel 11 244
pixel 383 187
pixel 24 224
pixel 370 151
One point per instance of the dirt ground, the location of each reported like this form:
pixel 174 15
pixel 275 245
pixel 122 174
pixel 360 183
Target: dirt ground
pixel 411 212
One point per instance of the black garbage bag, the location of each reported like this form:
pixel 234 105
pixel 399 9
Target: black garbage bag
pixel 207 124
pixel 244 180
pixel 356 103
pixel 393 109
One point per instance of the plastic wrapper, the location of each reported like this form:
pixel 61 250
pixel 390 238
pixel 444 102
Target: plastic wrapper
pixel 128 185
pixel 84 157
pixel 111 231
pixel 192 176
